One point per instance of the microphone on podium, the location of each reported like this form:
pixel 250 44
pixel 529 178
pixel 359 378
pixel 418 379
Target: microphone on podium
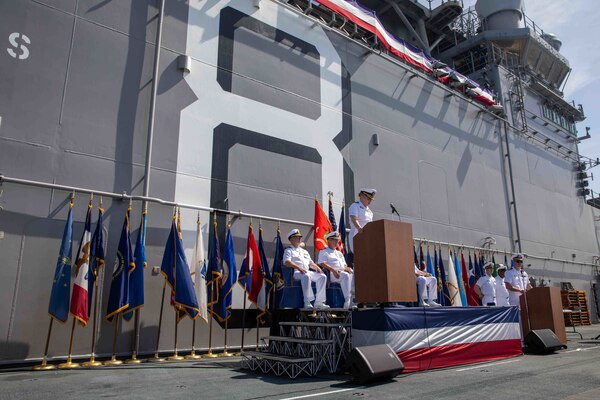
pixel 394 211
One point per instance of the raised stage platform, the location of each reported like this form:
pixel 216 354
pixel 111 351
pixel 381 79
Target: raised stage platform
pixel 426 338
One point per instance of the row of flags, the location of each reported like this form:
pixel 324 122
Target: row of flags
pixel 456 286
pixel 198 288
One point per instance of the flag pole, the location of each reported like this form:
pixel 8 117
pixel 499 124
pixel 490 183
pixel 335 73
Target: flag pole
pixel 244 315
pixel 257 328
pixel 113 360
pixel 70 364
pixel 156 358
pixel 44 366
pixel 210 354
pixel 92 362
pixel 175 356
pixel 225 353
pixel 193 355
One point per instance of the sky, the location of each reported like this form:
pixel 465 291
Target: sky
pixel 577 25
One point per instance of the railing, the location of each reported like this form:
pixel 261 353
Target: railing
pixel 436 3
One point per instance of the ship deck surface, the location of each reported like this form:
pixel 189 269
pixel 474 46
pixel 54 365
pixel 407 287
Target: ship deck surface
pixel 573 373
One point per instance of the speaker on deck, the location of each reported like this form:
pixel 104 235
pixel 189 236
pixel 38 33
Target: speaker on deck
pixel 541 341
pixel 372 363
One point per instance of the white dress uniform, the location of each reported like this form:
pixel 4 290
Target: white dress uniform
pixel 501 293
pixel 363 215
pixel 301 258
pixel 518 280
pixel 335 259
pixel 487 284
pixel 427 287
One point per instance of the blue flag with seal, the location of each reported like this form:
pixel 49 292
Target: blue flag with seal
pixel 277 272
pixel 332 215
pixel 230 277
pixel 430 268
pixel 58 307
pixel 176 271
pixel 96 255
pixel 118 299
pixel 263 303
pixel 136 277
pixel 215 270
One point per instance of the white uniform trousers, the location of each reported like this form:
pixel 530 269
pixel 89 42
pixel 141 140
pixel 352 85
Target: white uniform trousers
pixel 346 281
pixel 320 281
pixel 427 286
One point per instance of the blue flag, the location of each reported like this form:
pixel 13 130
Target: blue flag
pixel 267 278
pixel 342 231
pixel 175 268
pixel 136 278
pixel 96 256
pixel 118 299
pixel 332 216
pixel 277 270
pixel 224 305
pixel 213 274
pixel 61 286
pixel 471 271
pixel 445 292
pixel 461 282
pixel 430 268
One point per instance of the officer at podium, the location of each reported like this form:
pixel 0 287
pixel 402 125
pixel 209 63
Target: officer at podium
pixel 305 271
pixel 516 280
pixel 360 213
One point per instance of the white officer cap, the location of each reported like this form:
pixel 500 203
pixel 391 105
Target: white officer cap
pixel 370 193
pixel 489 264
pixel 518 256
pixel 333 235
pixel 501 267
pixel 294 233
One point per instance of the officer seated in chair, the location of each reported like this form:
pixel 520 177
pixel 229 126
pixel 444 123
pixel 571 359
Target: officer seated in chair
pixel 427 288
pixel 333 261
pixel 305 271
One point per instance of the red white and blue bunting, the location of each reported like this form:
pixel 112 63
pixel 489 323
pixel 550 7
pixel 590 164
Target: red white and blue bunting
pixel 367 20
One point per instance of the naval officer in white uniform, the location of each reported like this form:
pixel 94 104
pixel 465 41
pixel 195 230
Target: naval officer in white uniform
pixel 360 213
pixel 516 280
pixel 333 260
pixel 485 287
pixel 427 288
pixel 501 291
pixel 305 271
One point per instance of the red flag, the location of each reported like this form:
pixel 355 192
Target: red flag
pixel 254 265
pixel 471 296
pixel 79 296
pixel 322 227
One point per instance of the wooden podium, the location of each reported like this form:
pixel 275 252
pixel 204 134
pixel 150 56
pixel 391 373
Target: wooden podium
pixel 384 263
pixel 545 311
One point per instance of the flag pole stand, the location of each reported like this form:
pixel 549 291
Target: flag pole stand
pixel 156 358
pixel 113 360
pixel 44 366
pixel 92 362
pixel 136 339
pixel 193 355
pixel 70 364
pixel 175 356
pixel 225 353
pixel 243 320
pixel 210 354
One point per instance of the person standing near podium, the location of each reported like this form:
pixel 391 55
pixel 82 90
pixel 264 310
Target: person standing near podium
pixel 360 213
pixel 516 280
pixel 486 286
pixel 299 259
pixel 333 261
pixel 501 291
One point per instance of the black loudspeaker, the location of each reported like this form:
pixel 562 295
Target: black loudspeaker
pixel 541 341
pixel 373 363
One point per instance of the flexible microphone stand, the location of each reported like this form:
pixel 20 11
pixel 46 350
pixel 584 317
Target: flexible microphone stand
pixel 525 283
